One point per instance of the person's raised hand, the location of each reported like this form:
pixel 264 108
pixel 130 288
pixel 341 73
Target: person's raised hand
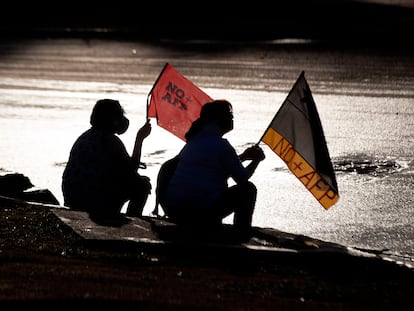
pixel 145 130
pixel 258 154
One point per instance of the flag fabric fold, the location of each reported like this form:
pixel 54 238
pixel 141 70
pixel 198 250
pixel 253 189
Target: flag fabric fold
pixel 175 101
pixel 295 134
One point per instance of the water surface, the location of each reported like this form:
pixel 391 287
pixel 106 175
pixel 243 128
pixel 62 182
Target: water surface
pixel 364 98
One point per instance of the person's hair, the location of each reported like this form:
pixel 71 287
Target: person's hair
pixel 217 111
pixel 107 114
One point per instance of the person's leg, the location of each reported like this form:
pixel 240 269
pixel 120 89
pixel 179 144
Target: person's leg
pixel 105 210
pixel 139 196
pixel 241 200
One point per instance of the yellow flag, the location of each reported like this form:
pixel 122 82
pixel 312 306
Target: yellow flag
pixel 295 134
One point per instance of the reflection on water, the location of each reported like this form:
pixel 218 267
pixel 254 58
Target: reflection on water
pixel 375 189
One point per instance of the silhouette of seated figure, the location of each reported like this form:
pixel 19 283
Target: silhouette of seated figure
pixel 198 194
pixel 100 175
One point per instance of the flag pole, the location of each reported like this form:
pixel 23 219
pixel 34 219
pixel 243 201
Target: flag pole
pixel 153 86
pixel 291 90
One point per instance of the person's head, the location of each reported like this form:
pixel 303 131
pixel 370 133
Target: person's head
pixel 108 114
pixel 219 112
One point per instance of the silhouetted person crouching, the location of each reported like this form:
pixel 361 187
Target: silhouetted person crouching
pixel 198 192
pixel 100 175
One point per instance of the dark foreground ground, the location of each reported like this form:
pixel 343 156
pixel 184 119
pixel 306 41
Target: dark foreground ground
pixel 44 263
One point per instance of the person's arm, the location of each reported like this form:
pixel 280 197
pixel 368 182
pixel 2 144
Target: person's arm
pixel 255 154
pixel 142 133
pixel 233 162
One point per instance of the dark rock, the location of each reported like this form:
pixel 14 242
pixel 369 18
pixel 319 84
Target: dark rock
pixel 39 195
pixel 19 186
pixel 14 184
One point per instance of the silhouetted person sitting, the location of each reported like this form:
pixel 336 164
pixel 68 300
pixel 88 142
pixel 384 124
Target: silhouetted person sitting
pixel 198 193
pixel 100 176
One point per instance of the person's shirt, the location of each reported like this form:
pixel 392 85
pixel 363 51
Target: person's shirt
pixel 98 169
pixel 206 163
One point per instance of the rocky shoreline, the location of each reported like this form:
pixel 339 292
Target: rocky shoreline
pixel 45 262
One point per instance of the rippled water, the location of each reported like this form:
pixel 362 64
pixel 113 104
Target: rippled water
pixel 365 102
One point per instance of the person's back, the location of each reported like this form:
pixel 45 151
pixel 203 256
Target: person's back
pixel 206 163
pixel 98 167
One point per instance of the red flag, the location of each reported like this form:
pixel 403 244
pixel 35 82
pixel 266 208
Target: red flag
pixel 175 101
pixel 296 136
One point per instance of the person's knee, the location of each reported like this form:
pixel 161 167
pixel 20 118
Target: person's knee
pixel 251 186
pixel 245 194
pixel 249 189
